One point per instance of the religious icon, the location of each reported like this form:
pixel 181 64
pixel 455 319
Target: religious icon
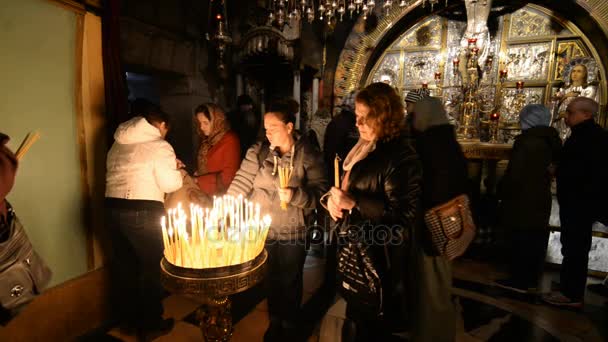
pixel 577 76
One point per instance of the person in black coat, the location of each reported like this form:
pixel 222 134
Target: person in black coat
pixel 246 122
pixel 525 191
pixel 380 194
pixel 444 178
pixel 341 133
pixel 581 194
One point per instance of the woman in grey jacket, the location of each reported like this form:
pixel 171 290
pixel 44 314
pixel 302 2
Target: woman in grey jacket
pixel 258 180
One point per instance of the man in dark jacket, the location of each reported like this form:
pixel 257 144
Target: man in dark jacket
pixel 341 133
pixel 525 192
pixel 581 193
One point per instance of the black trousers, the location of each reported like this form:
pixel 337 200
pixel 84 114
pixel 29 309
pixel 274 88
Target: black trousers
pixel 284 282
pixel 362 328
pixel 576 243
pixel 137 249
pixel 527 260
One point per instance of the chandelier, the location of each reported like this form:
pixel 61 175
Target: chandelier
pixel 281 12
pixel 221 37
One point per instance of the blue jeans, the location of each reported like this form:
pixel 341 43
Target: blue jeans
pixel 137 249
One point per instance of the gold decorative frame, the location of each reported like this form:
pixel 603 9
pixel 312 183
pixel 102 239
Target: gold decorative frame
pixel 359 47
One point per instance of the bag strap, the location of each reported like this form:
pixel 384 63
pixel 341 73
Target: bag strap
pixel 263 153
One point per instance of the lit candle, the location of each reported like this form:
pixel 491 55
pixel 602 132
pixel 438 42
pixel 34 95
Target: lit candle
pixel 165 237
pixel 456 62
pixel 494 116
pixel 337 171
pixel 425 85
pixel 172 247
pixel 438 75
pixel 504 73
pixel 519 85
pixel 489 61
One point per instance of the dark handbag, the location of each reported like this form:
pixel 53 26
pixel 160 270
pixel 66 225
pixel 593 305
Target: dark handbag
pixel 357 278
pixel 23 273
pixel 451 227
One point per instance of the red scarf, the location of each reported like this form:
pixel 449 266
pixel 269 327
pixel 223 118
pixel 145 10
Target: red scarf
pixel 219 127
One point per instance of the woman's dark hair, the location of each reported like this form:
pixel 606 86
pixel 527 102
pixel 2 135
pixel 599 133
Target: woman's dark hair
pixel 157 117
pixel 385 109
pixel 141 106
pixel 150 111
pixel 203 109
pixel 284 109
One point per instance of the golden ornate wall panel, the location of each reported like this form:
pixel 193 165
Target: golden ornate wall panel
pixel 527 23
pixel 528 62
pixel 533 95
pixel 425 34
pixel 419 67
pixel 536 48
pixel 388 69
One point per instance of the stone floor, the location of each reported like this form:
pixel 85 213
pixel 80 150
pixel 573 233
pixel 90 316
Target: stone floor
pixel 488 314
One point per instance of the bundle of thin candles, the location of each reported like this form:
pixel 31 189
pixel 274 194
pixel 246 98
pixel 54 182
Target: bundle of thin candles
pixel 29 140
pixel 284 176
pixel 230 233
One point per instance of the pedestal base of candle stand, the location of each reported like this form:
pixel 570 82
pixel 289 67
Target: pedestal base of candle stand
pixel 211 287
pixel 215 320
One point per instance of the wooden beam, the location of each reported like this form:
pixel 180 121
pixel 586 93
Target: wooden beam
pixel 71 5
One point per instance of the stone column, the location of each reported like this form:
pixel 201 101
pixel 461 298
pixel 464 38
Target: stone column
pixel 296 95
pixel 315 96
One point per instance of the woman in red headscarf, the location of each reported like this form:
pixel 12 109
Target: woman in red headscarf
pixel 219 155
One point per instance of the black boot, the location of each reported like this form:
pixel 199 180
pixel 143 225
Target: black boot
pixel 274 333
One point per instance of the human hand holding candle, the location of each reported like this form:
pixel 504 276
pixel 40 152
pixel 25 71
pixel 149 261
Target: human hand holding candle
pixel 284 176
pixel 338 201
pixel 285 195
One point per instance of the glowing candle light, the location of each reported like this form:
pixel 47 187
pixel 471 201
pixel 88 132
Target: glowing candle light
pixel 229 233
pixel 337 171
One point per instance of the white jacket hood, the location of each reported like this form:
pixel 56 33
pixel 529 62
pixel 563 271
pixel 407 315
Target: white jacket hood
pixel 135 131
pixel 141 164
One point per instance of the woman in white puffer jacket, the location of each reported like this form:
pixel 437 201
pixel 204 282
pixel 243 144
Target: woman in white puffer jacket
pixel 141 168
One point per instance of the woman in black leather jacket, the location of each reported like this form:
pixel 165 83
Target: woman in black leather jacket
pixel 379 196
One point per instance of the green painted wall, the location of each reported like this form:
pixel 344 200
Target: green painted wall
pixel 37 87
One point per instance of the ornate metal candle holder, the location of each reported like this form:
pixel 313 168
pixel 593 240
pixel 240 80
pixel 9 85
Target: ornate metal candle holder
pixel 438 85
pixel 211 287
pixel 469 121
pixel 494 118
